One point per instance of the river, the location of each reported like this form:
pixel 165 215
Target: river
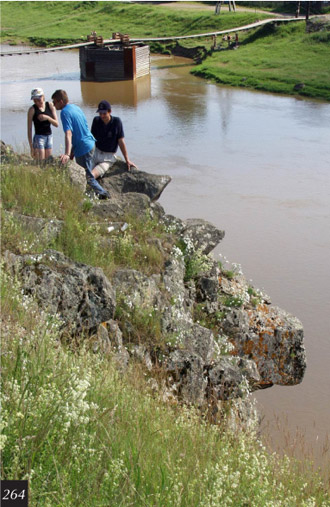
pixel 254 164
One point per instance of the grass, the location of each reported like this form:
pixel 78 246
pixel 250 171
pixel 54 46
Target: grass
pixel 74 20
pixel 140 326
pixel 84 434
pixel 275 58
pixel 80 237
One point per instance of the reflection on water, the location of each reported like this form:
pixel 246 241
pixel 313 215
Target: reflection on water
pixel 254 164
pixel 225 105
pixel 125 93
pixel 184 98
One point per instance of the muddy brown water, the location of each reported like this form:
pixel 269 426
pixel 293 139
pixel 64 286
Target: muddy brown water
pixel 254 164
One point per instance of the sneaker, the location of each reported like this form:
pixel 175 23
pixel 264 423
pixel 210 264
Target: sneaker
pixel 106 195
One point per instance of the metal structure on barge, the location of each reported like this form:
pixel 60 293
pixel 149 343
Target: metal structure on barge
pixel 116 62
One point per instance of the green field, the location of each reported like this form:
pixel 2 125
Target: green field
pixel 273 58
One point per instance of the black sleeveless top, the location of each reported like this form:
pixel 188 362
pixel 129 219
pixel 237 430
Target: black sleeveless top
pixel 42 128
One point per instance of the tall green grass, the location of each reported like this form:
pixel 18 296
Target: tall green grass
pixel 36 191
pixel 84 434
pixel 47 193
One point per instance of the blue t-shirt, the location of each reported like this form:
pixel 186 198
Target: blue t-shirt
pixel 74 119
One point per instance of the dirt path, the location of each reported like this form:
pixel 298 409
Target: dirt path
pixel 211 8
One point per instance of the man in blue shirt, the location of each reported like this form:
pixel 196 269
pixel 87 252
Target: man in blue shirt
pixel 79 142
pixel 109 134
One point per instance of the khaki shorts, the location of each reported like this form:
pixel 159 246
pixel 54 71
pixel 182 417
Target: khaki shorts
pixel 103 161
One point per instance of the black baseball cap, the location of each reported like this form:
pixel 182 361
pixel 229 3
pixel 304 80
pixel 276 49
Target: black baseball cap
pixel 104 106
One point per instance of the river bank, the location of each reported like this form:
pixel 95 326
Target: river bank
pixel 275 58
pixel 203 313
pixel 127 426
pixel 278 59
pixel 264 182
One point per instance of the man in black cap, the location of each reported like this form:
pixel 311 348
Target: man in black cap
pixel 109 134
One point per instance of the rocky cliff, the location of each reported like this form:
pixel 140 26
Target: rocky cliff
pixel 218 337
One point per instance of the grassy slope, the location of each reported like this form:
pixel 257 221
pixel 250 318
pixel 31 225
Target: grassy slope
pixel 268 59
pixel 275 58
pixel 77 19
pixel 85 434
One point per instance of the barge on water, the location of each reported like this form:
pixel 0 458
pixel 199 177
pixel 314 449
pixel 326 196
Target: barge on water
pixel 116 62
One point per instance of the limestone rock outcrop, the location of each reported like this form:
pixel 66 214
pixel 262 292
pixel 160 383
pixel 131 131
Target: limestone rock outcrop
pixel 221 338
pixel 273 339
pixel 121 181
pixel 81 296
pixel 76 174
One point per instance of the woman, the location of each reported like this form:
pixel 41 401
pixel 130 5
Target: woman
pixel 43 115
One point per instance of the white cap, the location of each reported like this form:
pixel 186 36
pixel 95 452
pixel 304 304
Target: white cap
pixel 36 93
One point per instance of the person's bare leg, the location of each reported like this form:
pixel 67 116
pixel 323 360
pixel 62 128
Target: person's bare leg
pixel 95 172
pixel 40 154
pixel 100 169
pixel 48 152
